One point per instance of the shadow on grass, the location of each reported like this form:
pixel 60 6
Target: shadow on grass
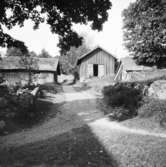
pixel 42 112
pixel 77 148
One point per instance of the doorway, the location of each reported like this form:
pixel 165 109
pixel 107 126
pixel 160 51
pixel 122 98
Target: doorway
pixel 95 70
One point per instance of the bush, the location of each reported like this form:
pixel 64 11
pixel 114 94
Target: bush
pixel 153 108
pixel 123 96
pixel 3 90
pixel 26 105
pixel 49 87
pixel 119 114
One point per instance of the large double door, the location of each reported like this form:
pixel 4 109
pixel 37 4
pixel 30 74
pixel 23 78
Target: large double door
pixel 95 70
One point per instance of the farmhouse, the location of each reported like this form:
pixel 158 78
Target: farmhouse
pixel 44 70
pixel 96 63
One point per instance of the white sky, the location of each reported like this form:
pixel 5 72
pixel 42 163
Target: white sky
pixel 110 38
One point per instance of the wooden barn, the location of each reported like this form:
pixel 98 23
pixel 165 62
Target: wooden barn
pixel 45 70
pixel 96 63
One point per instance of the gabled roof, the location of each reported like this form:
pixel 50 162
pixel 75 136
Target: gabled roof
pixel 41 64
pixel 130 65
pixel 93 50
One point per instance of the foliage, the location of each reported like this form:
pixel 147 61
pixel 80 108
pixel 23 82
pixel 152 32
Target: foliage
pixel 142 85
pixel 33 54
pixel 10 102
pixel 144 31
pixel 68 60
pixel 75 72
pixel 26 105
pixel 58 14
pixel 44 54
pixel 153 108
pixel 13 51
pixel 51 88
pixel 115 113
pixel 3 90
pixel 29 63
pixel 123 100
pixel 27 60
pixel 1 78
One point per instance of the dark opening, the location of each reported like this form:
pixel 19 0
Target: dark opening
pixel 95 70
pixel 59 69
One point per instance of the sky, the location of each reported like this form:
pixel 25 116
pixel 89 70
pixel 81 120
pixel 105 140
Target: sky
pixel 110 38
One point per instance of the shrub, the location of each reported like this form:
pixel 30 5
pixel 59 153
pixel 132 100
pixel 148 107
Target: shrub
pixel 50 87
pixel 26 105
pixel 119 114
pixel 3 90
pixel 153 108
pixel 123 96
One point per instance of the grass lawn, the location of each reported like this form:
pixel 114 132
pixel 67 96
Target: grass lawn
pixel 41 113
pixel 144 123
pixel 94 145
pixel 78 148
pixel 19 124
pixel 133 150
pixel 129 149
pixel 137 151
pixel 97 146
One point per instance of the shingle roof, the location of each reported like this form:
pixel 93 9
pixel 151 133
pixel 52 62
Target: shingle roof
pixel 42 64
pixel 87 54
pixel 130 65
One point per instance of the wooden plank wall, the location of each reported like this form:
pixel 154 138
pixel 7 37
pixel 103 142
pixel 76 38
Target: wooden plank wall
pixel 22 77
pixel 98 57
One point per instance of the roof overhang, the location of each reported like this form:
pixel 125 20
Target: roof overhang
pixel 93 50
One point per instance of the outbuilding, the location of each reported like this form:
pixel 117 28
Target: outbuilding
pixel 96 63
pixel 43 70
pixel 130 71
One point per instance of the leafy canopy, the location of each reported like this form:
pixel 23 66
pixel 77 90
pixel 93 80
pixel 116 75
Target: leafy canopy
pixel 68 60
pixel 58 14
pixel 145 31
pixel 13 51
pixel 44 54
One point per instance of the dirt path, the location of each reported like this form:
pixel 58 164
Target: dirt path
pixel 105 123
pixel 79 136
pixel 79 109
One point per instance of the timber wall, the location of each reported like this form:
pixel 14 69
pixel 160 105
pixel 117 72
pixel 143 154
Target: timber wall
pixel 99 57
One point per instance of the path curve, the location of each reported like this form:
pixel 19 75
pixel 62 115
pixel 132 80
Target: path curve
pixel 80 108
pixel 105 123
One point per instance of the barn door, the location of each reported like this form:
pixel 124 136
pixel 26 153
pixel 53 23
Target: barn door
pixel 101 71
pixel 90 70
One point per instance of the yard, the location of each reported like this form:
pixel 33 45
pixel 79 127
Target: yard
pixel 80 135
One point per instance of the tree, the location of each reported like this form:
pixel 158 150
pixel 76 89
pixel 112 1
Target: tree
pixel 27 60
pixel 58 14
pixel 32 54
pixel 44 54
pixel 13 51
pixel 69 59
pixel 29 63
pixel 145 31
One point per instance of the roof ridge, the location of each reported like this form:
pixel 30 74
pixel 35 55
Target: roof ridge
pixel 81 57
